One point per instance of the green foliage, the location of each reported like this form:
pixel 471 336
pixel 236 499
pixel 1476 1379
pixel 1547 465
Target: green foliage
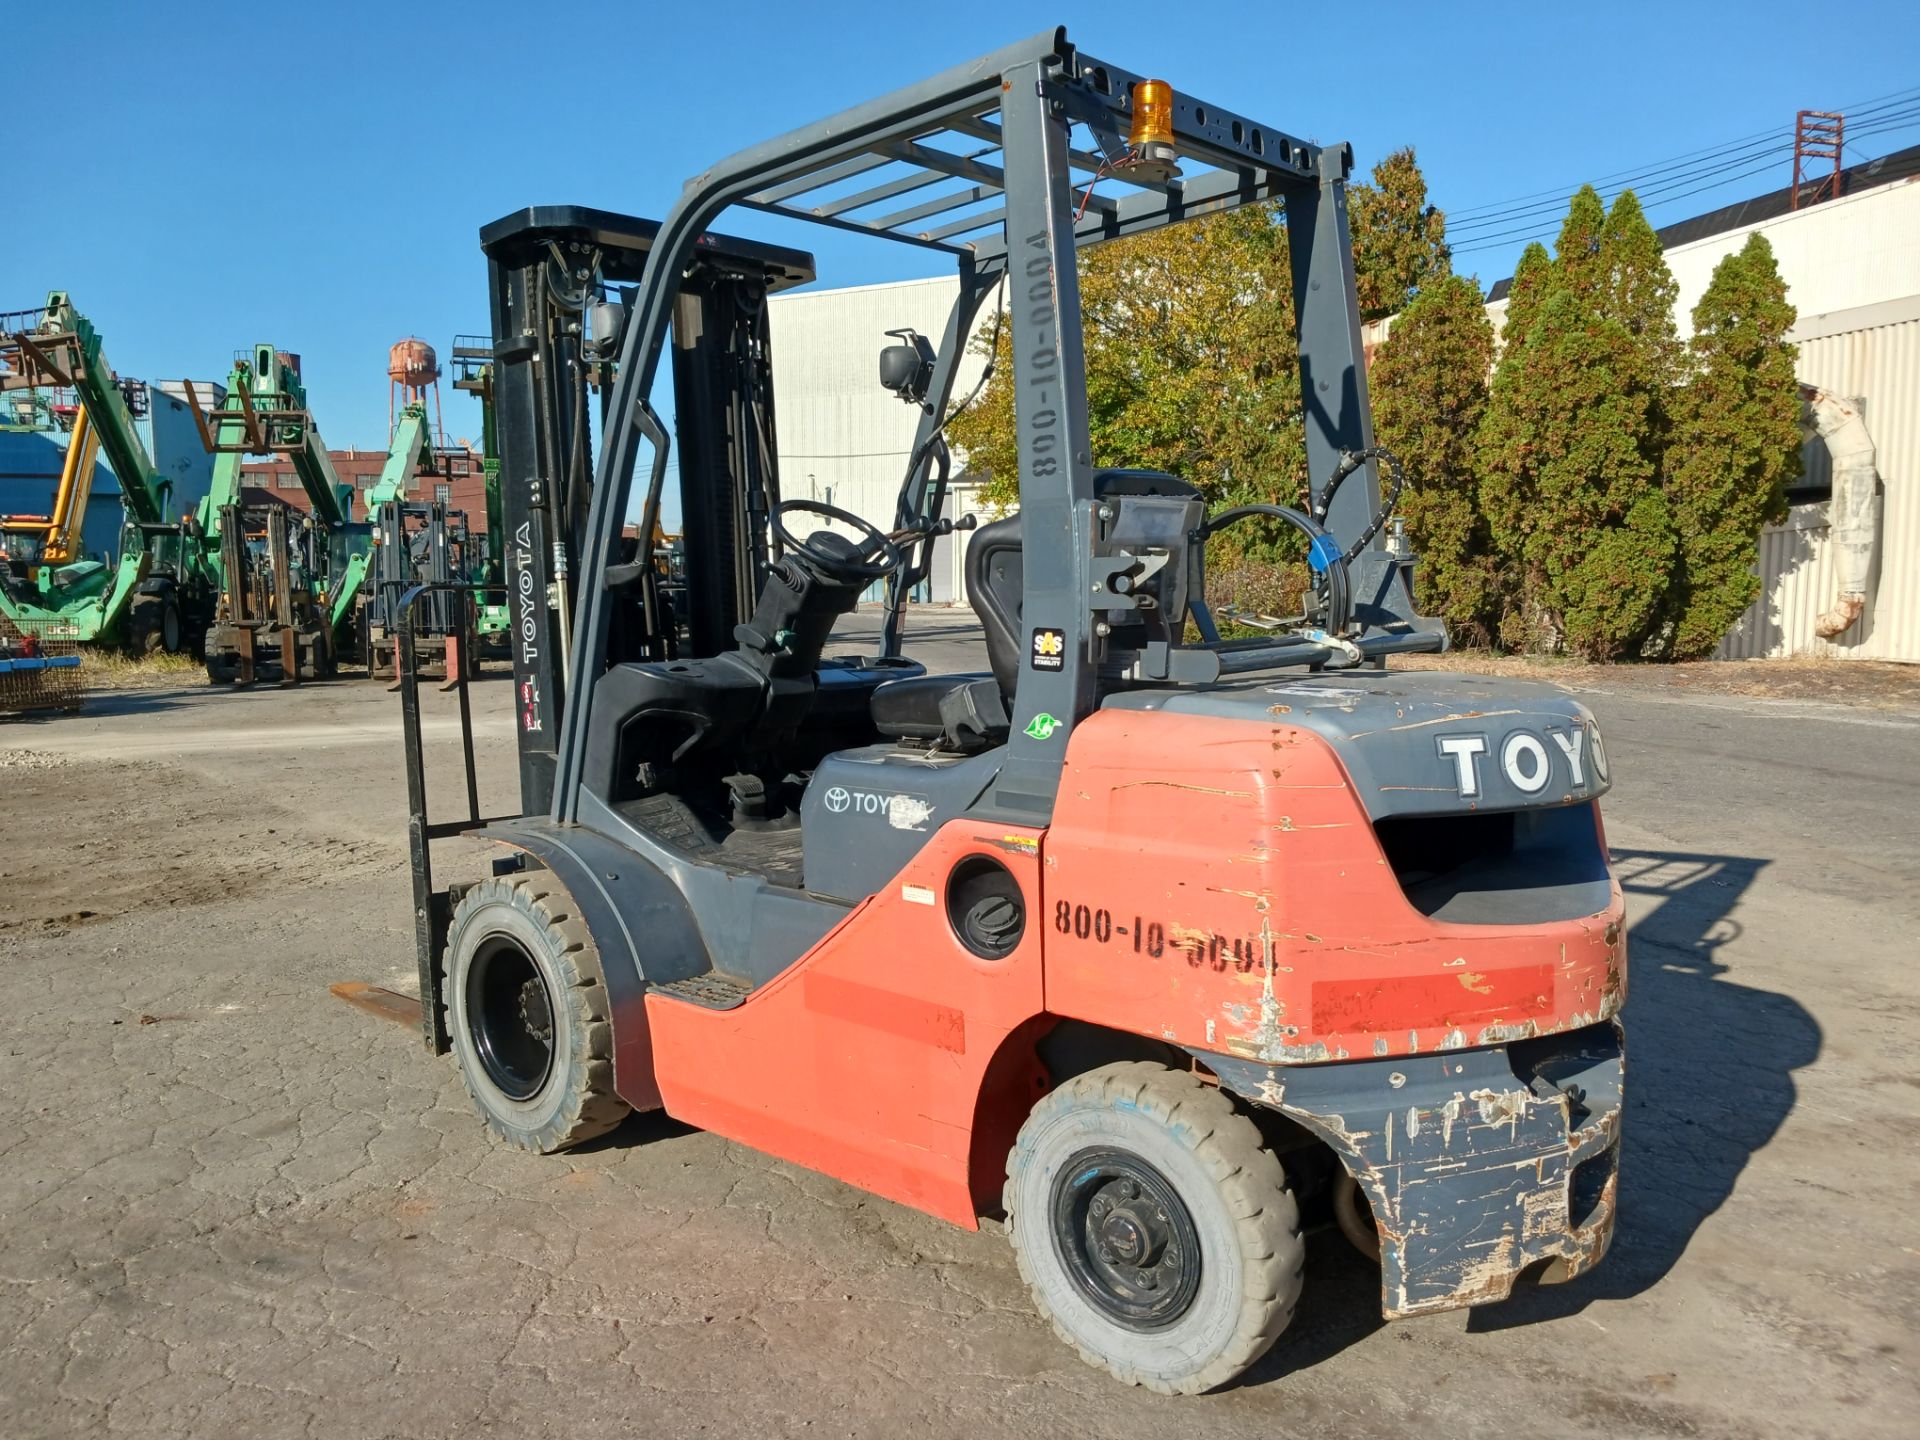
pixel 1737 429
pixel 1602 495
pixel 1531 277
pixel 1399 240
pixel 1569 486
pixel 1577 263
pixel 1571 450
pixel 1191 363
pixel 1192 366
pixel 1429 384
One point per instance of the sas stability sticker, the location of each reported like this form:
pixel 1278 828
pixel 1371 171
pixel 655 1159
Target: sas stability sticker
pixel 1049 649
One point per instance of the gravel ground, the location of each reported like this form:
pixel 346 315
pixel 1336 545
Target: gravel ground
pixel 237 1207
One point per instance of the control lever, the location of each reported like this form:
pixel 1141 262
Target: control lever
pixel 921 529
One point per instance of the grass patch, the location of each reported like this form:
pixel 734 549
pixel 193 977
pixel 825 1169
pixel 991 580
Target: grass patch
pixel 111 670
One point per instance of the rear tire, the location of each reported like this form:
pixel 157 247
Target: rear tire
pixel 1134 1162
pixel 153 624
pixel 172 631
pixel 528 1015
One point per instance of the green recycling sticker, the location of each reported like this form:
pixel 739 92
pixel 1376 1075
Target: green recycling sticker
pixel 1042 726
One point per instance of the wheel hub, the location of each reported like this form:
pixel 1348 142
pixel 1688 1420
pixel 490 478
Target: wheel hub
pixel 1126 1238
pixel 509 1018
pixel 534 1014
pixel 1133 1235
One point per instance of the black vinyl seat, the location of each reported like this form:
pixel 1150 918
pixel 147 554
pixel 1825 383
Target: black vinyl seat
pixel 961 712
pixel 960 709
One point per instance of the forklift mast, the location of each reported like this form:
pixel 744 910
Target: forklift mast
pixel 472 360
pixel 558 315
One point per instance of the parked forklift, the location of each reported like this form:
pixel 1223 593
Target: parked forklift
pixel 1152 943
pixel 156 593
pixel 416 542
pixel 472 358
pixel 284 601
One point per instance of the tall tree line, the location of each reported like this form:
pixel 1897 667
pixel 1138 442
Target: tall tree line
pixel 1589 485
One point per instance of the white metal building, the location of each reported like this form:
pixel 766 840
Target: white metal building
pixel 1852 267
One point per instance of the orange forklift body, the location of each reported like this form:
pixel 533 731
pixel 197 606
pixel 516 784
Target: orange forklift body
pixel 1209 883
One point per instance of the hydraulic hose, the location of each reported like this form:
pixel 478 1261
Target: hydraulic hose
pixel 1323 554
pixel 1350 461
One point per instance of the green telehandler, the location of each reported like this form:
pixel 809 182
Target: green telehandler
pixel 157 592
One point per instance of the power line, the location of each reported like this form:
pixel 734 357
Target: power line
pixel 1782 144
pixel 1654 197
pixel 1497 207
pixel 1861 110
pixel 1774 144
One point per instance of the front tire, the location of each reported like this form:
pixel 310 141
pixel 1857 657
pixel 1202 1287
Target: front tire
pixel 527 1012
pixel 1154 1229
pixel 154 625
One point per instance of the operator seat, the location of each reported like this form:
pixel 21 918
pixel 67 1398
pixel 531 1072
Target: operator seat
pixel 959 708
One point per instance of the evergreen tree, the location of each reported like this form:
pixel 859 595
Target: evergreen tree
pixel 1638 288
pixel 1429 386
pixel 1577 261
pixel 1399 240
pixel 1737 445
pixel 1573 445
pixel 1588 542
pixel 1531 278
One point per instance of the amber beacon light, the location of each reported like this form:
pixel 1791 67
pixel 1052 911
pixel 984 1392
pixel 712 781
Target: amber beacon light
pixel 1150 137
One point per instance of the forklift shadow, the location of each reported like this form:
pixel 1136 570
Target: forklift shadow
pixel 1709 1077
pixel 641 1127
pixel 1709 1081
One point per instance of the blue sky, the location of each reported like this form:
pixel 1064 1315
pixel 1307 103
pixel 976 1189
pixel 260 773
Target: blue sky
pixel 205 177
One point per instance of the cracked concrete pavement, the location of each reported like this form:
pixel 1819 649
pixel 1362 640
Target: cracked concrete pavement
pixel 234 1206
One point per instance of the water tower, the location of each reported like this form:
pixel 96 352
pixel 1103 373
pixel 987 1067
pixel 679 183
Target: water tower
pixel 412 370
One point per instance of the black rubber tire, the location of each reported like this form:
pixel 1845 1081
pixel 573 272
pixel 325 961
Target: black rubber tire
pixel 173 632
pixel 144 624
pixel 1234 1188
pixel 575 1102
pixel 222 670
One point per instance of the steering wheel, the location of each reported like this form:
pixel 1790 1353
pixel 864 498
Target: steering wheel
pixel 845 566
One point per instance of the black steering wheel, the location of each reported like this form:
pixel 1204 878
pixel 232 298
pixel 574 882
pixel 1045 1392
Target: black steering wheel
pixel 852 564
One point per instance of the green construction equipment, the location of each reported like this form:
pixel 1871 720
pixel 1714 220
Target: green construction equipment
pixel 287 580
pixel 156 593
pixel 473 373
pixel 416 542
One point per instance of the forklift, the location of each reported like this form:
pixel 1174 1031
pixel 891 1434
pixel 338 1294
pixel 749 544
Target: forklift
pixel 1148 943
pixel 414 542
pixel 273 617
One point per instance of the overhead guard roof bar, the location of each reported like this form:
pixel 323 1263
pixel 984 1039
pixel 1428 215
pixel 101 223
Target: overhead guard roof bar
pixel 1248 163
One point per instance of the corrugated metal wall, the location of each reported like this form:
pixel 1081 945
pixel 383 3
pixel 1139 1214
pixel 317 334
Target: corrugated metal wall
pixel 1880 364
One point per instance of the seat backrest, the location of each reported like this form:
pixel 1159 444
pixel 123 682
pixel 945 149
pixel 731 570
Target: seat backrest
pixel 994 585
pixel 995 569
